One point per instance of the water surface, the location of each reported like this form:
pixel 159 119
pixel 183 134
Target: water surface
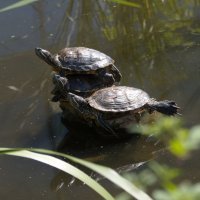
pixel 155 47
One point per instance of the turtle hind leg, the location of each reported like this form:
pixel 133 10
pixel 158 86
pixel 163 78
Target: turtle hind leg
pixel 105 126
pixel 165 107
pixel 116 73
pixel 107 77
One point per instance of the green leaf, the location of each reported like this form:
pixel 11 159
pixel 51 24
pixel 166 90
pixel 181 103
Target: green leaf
pixel 177 148
pixel 110 174
pixel 64 166
pixel 107 172
pixel 193 141
pixel 165 173
pixel 17 5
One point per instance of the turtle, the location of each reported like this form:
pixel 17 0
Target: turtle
pixel 114 107
pixel 82 60
pixel 83 85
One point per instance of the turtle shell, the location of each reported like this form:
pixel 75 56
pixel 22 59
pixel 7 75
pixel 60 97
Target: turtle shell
pixel 82 85
pixel 85 85
pixel 118 99
pixel 82 59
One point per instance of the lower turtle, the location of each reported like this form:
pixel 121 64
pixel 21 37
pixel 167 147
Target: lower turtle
pixel 112 108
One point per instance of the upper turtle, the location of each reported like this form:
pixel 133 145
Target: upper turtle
pixel 81 60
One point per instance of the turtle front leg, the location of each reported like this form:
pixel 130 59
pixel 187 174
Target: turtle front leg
pixel 56 94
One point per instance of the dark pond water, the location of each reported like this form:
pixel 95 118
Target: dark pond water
pixel 155 47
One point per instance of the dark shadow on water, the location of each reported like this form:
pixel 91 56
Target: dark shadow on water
pixel 124 154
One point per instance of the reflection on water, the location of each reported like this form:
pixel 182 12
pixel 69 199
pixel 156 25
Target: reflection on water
pixel 155 47
pixel 123 156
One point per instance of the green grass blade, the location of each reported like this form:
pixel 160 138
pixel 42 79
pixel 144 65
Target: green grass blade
pixel 127 3
pixel 17 5
pixel 107 172
pixel 59 164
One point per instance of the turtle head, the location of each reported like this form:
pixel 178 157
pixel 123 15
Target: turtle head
pixel 80 104
pixel 48 58
pixel 61 85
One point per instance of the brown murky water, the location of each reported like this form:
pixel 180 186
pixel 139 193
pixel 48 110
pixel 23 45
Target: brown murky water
pixel 156 49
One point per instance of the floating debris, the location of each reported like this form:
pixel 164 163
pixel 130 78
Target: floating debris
pixel 13 88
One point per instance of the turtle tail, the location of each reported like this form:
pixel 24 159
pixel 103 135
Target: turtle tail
pixel 165 107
